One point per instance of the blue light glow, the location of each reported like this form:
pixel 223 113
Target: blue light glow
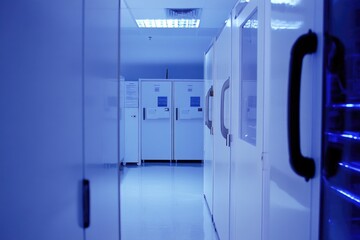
pixel 350 136
pixel 348 195
pixel 346 135
pixel 350 167
pixel 347 105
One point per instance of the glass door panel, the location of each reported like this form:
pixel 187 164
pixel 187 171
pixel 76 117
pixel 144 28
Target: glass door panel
pixel 340 201
pixel 249 79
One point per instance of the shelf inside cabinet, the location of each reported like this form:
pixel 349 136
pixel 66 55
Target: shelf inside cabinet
pixel 347 106
pixel 349 196
pixel 351 166
pixel 343 136
pixel 343 193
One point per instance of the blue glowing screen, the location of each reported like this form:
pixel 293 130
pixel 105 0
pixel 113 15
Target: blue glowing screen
pixel 194 101
pixel 162 102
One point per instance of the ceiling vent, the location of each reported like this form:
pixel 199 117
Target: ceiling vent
pixel 183 13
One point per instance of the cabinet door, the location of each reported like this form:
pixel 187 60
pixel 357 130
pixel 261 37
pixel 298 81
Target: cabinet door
pixel 101 90
pixel 188 119
pixel 293 199
pixel 208 129
pixel 156 117
pixel 221 123
pixel 41 138
pixel 247 123
pixel 340 200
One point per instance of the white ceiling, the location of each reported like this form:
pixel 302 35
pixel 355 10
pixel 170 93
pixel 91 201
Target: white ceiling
pixel 169 45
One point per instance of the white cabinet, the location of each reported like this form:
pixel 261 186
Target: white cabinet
pixel 171 113
pixel 257 184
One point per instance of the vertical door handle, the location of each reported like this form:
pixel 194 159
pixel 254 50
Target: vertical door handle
pixel 176 114
pixel 303 166
pixel 86 203
pixel 209 94
pixel 224 130
pixel 144 112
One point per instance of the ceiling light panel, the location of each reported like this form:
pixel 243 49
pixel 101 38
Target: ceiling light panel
pixel 168 23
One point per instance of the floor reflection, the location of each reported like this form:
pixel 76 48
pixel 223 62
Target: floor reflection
pixel 163 201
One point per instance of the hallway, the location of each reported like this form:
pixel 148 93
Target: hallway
pixel 162 201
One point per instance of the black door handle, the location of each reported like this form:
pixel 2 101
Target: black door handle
pixel 144 112
pixel 303 166
pixel 176 114
pixel 209 94
pixel 86 203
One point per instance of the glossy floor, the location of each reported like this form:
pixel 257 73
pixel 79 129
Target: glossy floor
pixel 163 201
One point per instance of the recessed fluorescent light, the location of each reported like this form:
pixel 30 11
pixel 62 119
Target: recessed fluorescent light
pixel 281 25
pixel 275 24
pixel 168 23
pixel 287 2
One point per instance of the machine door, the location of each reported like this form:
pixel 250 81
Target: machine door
pixel 293 73
pixel 340 183
pixel 188 118
pixel 208 129
pixel 221 125
pixel 156 136
pixel 247 124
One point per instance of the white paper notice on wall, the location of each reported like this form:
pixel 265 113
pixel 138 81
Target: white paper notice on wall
pixel 132 94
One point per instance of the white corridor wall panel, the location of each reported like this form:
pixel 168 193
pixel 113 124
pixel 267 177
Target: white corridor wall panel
pixel 188 120
pixel 131 122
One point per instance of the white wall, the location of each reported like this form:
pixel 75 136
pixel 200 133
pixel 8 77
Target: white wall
pixel 175 71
